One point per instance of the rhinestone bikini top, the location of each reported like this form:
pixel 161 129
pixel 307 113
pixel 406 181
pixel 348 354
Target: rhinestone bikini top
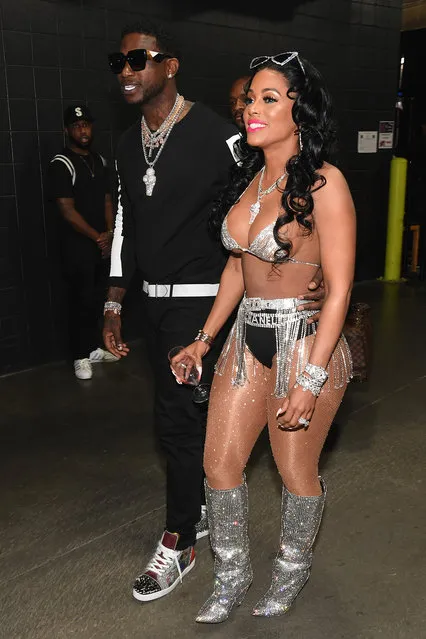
pixel 263 245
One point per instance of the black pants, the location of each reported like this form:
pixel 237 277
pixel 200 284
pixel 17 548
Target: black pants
pixel 180 424
pixel 86 284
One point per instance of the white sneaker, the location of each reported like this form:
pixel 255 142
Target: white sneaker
pixel 100 355
pixel 83 368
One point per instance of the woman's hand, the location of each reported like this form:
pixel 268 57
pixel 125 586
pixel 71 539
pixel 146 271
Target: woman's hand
pixel 188 357
pixel 296 410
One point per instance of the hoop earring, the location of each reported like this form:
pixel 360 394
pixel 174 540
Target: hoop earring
pixel 300 141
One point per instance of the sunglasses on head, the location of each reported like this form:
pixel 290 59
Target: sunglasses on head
pixel 137 59
pixel 281 59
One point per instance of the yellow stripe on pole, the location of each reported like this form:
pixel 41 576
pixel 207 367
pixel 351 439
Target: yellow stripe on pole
pixel 396 210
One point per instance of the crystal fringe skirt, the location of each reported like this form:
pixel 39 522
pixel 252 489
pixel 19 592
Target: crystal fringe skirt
pixel 291 329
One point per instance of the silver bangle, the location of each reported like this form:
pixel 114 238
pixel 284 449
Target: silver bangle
pixel 308 383
pixel 318 373
pixel 204 337
pixel 115 307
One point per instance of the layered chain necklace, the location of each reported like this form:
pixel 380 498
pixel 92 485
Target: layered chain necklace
pixel 255 207
pixel 90 168
pixel 153 142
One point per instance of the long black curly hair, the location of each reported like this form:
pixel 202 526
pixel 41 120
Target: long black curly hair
pixel 312 114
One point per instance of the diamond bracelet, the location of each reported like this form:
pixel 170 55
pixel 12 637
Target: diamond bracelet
pixel 313 379
pixel 318 373
pixel 204 337
pixel 115 307
pixel 307 383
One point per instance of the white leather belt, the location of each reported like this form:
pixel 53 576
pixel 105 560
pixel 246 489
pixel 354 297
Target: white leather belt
pixel 180 290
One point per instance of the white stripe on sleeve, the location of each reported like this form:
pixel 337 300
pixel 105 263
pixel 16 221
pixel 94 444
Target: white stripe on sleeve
pixel 68 164
pixel 117 242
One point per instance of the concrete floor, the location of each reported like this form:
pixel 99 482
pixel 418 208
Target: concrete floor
pixel 83 504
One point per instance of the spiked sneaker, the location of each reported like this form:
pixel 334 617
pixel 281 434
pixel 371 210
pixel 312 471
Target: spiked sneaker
pixel 165 570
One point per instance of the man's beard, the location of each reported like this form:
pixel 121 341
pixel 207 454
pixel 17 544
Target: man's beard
pixel 81 145
pixel 150 93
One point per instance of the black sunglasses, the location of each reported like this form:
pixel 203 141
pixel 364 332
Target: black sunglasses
pixel 137 59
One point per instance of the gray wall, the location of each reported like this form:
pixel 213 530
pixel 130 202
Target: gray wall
pixel 54 52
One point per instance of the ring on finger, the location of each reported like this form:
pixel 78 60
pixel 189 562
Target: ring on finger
pixel 293 428
pixel 303 422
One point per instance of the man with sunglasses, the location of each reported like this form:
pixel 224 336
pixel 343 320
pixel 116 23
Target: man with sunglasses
pixel 171 166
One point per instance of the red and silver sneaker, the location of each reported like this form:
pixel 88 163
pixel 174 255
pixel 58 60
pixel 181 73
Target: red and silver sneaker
pixel 165 570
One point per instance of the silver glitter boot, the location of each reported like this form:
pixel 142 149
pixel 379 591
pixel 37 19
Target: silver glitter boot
pixel 228 522
pixel 300 521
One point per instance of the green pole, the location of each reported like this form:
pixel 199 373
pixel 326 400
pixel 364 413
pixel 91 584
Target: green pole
pixel 396 210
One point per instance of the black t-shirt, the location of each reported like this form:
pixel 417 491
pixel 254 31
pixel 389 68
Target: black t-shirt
pixel 85 179
pixel 165 235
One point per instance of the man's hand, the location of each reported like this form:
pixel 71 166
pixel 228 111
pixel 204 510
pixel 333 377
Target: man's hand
pixel 314 298
pixel 112 335
pixel 104 241
pixel 106 253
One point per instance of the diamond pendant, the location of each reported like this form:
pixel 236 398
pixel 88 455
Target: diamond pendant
pixel 150 179
pixel 254 211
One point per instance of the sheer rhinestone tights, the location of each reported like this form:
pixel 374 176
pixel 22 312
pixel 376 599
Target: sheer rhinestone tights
pixel 237 416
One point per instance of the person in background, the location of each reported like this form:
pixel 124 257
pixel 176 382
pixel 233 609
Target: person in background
pixel 237 100
pixel 79 185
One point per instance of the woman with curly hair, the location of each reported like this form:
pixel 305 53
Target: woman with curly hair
pixel 286 211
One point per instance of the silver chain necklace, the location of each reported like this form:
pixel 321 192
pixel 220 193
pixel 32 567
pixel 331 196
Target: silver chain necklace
pixel 154 139
pixel 91 170
pixel 255 207
pixel 158 140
